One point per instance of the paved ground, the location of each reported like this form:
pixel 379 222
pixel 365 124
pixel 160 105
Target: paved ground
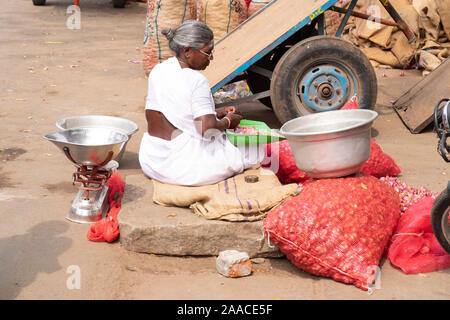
pixel 50 72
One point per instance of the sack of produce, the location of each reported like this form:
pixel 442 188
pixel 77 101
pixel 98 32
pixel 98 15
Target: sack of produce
pixel 279 158
pixel 222 16
pixel 162 14
pixel 379 163
pixel 337 228
pixel 256 5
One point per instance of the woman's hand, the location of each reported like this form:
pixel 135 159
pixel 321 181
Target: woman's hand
pixel 209 122
pixel 234 119
pixel 222 112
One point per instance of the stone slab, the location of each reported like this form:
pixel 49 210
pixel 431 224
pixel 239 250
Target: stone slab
pixel 150 228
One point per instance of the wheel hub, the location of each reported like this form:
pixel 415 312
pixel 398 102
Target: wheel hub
pixel 324 88
pixel 325 91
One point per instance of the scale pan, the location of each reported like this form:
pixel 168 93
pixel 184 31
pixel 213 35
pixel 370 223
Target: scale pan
pixel 89 146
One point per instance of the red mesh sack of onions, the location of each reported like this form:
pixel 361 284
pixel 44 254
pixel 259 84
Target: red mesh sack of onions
pixel 379 163
pixel 337 228
pixel 280 160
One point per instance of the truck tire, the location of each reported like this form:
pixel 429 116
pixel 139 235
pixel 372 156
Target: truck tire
pixel 439 219
pixel 119 3
pixel 320 74
pixel 39 2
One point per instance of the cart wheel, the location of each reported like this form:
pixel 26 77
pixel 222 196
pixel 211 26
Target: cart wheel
pixel 440 219
pixel 39 2
pixel 320 74
pixel 119 3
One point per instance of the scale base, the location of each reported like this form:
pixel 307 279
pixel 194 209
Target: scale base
pixel 89 210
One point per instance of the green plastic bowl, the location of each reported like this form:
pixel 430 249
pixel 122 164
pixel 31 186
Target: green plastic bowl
pixel 252 139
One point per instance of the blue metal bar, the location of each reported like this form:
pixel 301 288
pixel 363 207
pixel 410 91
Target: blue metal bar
pixel 346 17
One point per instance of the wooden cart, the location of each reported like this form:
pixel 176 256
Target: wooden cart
pixel 290 64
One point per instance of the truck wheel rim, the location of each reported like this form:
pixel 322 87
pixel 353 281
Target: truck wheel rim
pixel 325 87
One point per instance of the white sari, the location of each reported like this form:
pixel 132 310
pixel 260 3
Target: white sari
pixel 183 94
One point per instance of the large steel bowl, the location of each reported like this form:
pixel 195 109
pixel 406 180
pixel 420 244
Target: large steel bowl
pixel 330 144
pixel 125 126
pixel 89 146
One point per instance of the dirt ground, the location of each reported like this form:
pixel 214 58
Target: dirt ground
pixel 49 72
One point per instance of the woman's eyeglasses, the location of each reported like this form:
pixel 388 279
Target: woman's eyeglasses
pixel 209 55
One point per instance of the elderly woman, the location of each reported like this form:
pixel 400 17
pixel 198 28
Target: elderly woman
pixel 185 143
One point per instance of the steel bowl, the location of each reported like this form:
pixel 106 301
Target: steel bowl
pixel 330 144
pixel 123 125
pixel 89 146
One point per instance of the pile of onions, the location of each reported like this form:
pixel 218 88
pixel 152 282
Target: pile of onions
pixel 408 195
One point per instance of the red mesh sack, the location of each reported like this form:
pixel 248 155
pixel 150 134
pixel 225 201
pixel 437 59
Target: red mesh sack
pixel 414 248
pixel 379 163
pixel 280 160
pixel 107 229
pixel 337 228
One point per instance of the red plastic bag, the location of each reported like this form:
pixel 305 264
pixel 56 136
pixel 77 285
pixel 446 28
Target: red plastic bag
pixel 107 229
pixel 351 104
pixel 414 248
pixel 337 228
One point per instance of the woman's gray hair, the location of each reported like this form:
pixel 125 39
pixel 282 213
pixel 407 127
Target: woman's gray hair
pixel 191 33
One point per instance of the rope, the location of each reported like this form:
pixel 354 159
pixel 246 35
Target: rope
pixel 409 234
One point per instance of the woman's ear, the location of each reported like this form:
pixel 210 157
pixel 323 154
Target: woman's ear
pixel 186 52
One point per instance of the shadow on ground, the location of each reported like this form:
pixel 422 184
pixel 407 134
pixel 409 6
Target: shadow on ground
pixel 23 257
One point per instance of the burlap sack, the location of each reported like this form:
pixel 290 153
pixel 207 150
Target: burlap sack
pixel 222 16
pixel 444 13
pixel 233 199
pixel 163 14
pixel 365 28
pixel 429 17
pixel 382 56
pixel 380 37
pixel 401 49
pixel 430 60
